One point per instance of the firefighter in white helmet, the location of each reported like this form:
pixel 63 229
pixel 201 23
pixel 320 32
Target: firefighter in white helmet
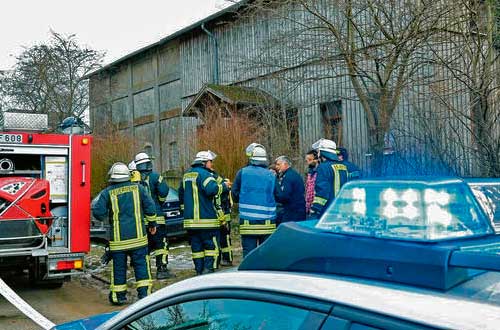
pixel 127 206
pixel 253 189
pixel 332 174
pixel 197 191
pixel 158 189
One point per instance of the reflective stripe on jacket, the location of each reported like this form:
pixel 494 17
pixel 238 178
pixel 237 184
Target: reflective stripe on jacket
pixel 127 205
pixel 330 178
pixel 158 190
pixel 254 188
pixel 196 192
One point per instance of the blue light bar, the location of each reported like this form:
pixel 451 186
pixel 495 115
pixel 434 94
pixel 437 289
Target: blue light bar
pixel 438 265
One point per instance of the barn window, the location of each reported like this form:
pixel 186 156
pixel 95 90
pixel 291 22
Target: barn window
pixel 331 113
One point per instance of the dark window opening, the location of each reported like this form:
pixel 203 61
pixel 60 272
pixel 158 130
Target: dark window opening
pixel 331 113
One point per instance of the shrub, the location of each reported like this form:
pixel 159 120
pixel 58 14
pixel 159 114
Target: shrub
pixel 108 149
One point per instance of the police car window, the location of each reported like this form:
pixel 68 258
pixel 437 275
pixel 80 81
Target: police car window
pixel 406 210
pixel 220 314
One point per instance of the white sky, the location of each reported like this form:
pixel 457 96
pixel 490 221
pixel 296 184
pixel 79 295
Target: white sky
pixel 116 26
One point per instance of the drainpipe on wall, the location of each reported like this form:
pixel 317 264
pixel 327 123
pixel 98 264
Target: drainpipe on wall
pixel 216 54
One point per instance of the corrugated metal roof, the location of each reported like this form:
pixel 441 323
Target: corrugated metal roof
pixel 213 17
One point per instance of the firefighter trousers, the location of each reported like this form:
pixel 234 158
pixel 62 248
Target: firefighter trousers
pixel 158 244
pixel 250 242
pixel 205 249
pixel 225 243
pixel 140 262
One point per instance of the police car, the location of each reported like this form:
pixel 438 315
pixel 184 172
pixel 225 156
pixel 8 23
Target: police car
pixel 387 254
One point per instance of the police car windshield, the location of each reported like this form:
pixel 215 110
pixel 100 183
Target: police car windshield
pixel 406 210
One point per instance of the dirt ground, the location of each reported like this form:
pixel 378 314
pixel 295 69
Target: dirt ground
pixel 87 294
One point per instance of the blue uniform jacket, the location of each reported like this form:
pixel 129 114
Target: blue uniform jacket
pixel 158 189
pixel 331 176
pixel 127 205
pixel 290 193
pixel 196 194
pixel 254 190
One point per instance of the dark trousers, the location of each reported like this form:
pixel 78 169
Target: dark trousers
pixel 250 242
pixel 158 244
pixel 225 243
pixel 204 248
pixel 140 262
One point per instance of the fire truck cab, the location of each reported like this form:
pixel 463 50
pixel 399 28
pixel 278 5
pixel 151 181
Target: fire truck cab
pixel 44 199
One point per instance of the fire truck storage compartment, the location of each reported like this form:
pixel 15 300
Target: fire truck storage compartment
pixel 50 164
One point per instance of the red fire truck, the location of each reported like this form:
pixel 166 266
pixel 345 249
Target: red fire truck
pixel 44 199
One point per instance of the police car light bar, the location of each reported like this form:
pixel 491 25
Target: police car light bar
pixel 439 265
pixel 17 121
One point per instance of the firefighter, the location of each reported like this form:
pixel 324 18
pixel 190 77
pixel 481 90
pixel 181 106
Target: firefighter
pixel 332 174
pixel 253 189
pixel 126 205
pixel 158 189
pixel 223 206
pixel 197 191
pixel 354 171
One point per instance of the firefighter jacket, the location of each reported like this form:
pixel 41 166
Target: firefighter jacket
pixel 196 195
pixel 222 201
pixel 353 171
pixel 126 204
pixel 290 193
pixel 253 188
pixel 158 189
pixel 330 178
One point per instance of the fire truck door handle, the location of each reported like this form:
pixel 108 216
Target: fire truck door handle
pixel 83 173
pixel 5 149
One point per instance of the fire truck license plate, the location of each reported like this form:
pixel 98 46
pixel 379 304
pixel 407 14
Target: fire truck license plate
pixel 11 138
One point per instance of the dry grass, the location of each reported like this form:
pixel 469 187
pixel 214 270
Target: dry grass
pixel 106 150
pixel 228 138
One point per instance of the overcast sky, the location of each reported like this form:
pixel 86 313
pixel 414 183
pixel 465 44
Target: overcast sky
pixel 116 26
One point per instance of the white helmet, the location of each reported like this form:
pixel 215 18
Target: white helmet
pixel 141 158
pixel 325 145
pixel 119 173
pixel 251 147
pixel 258 153
pixel 326 148
pixel 205 156
pixel 131 166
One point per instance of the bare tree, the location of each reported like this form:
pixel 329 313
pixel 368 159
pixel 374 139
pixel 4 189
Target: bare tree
pixel 381 46
pixel 468 92
pixel 49 78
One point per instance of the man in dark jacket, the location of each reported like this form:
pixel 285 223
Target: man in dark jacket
pixel 289 192
pixel 127 206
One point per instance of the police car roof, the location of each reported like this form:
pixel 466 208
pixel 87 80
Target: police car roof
pixel 412 304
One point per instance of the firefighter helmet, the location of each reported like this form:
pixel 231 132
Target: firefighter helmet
pixel 143 162
pixel 326 148
pixel 256 153
pixel 119 173
pixel 251 147
pixel 131 166
pixel 205 156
